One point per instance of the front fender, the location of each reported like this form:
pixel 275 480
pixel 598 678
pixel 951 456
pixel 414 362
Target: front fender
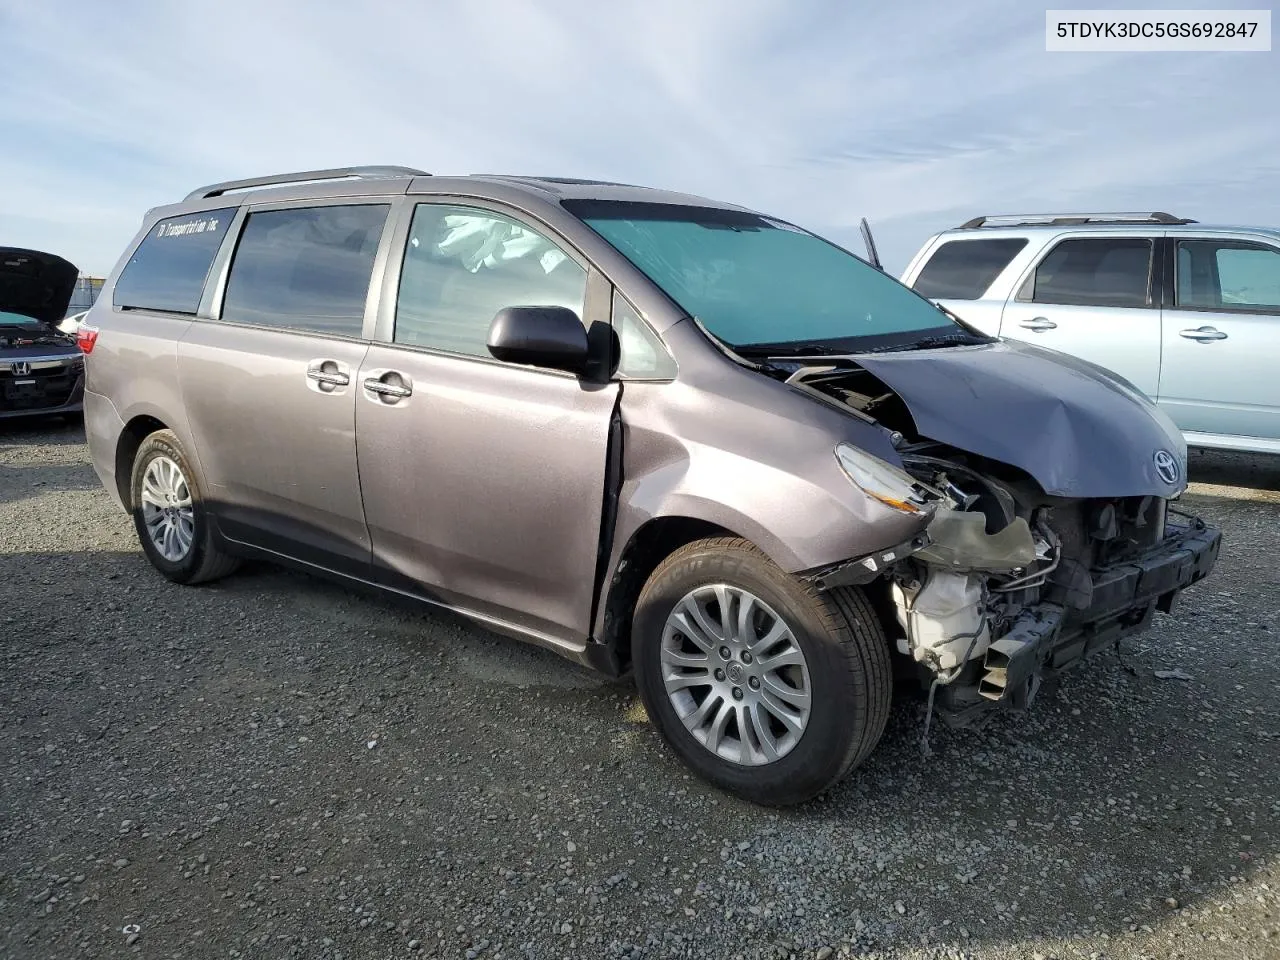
pixel 764 472
pixel 797 520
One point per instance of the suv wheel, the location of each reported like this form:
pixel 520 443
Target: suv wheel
pixel 168 513
pixel 763 685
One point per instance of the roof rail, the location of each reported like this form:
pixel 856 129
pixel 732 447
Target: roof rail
pixel 1062 219
pixel 304 176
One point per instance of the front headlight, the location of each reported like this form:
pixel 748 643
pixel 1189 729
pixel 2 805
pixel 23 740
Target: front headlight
pixel 882 481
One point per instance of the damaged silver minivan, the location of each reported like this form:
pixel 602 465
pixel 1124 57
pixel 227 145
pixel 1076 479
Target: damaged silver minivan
pixel 648 431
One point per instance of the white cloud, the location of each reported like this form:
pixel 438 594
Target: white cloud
pixel 916 115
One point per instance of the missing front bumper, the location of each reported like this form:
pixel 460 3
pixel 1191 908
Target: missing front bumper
pixel 1050 637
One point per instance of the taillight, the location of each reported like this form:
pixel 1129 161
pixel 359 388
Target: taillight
pixel 86 337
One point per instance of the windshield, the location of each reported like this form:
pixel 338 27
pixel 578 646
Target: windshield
pixel 755 282
pixel 8 319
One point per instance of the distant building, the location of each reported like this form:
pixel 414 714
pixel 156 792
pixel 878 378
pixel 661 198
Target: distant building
pixel 86 291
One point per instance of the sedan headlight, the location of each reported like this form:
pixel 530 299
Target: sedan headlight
pixel 882 481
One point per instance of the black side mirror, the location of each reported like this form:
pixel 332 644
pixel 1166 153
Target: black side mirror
pixel 550 337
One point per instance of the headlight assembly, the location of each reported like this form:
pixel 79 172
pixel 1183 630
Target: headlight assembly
pixel 882 481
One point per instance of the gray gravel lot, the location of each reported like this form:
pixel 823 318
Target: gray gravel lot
pixel 275 767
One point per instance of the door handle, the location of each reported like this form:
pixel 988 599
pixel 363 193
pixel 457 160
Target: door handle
pixel 389 386
pixel 328 374
pixel 1203 334
pixel 384 389
pixel 329 377
pixel 1038 324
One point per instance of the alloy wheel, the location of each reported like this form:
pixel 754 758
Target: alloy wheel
pixel 735 675
pixel 167 511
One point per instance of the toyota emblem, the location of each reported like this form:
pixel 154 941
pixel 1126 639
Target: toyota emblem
pixel 1166 466
pixel 20 368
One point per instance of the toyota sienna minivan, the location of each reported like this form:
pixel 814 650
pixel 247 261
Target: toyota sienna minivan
pixel 649 431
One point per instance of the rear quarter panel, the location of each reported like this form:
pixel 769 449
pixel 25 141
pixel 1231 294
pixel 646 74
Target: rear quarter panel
pixel 983 314
pixel 133 367
pixel 986 312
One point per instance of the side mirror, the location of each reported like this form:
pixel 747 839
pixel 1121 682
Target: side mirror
pixel 550 337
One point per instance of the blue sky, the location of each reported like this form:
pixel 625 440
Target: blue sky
pixel 916 115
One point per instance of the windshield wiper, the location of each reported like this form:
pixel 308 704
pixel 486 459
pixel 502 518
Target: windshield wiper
pixel 928 343
pixel 792 350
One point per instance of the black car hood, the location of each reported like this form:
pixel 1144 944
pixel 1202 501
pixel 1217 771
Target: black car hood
pixel 43 348
pixel 1078 429
pixel 36 284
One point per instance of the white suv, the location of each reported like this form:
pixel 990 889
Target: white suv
pixel 1189 313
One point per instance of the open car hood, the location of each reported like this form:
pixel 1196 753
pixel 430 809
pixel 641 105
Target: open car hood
pixel 1078 429
pixel 36 284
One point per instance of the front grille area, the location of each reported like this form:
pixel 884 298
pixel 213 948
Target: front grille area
pixel 42 388
pixel 1138 525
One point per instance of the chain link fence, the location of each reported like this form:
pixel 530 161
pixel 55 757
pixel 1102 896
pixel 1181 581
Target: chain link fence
pixel 86 291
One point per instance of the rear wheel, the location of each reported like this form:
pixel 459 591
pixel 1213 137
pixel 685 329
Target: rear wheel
pixel 763 685
pixel 169 513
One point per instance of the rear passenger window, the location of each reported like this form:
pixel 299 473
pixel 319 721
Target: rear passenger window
pixel 305 268
pixel 168 270
pixel 964 269
pixel 1106 272
pixel 462 265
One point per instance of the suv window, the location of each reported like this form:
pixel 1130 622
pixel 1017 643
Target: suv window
pixel 462 265
pixel 305 268
pixel 964 269
pixel 1103 272
pixel 168 270
pixel 1228 275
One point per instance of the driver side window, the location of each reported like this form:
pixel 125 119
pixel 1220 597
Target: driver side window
pixel 464 264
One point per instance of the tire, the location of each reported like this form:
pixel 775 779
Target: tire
pixel 202 560
pixel 845 668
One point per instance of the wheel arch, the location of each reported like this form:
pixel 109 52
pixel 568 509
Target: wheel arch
pixel 650 544
pixel 131 437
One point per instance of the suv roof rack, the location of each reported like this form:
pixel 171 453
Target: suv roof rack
pixel 304 176
pixel 1063 219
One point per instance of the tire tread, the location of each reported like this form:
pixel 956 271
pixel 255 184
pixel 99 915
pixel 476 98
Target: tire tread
pixel 214 563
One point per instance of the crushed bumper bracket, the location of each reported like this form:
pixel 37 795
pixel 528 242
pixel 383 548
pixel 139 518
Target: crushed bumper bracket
pixel 1050 637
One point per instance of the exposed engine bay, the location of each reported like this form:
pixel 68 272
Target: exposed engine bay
pixel 1007 585
pixel 1004 560
pixel 13 337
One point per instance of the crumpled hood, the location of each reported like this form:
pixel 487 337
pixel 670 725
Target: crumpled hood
pixel 36 284
pixel 1078 429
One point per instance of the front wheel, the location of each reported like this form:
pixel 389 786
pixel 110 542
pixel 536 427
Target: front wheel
pixel 763 685
pixel 169 513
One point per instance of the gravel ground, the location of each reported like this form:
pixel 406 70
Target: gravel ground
pixel 273 767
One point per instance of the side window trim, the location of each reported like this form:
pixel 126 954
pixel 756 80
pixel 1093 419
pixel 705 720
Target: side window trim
pixel 211 301
pixel 400 223
pixel 596 307
pixel 1024 291
pixel 215 291
pixel 1170 285
pixel 1024 288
